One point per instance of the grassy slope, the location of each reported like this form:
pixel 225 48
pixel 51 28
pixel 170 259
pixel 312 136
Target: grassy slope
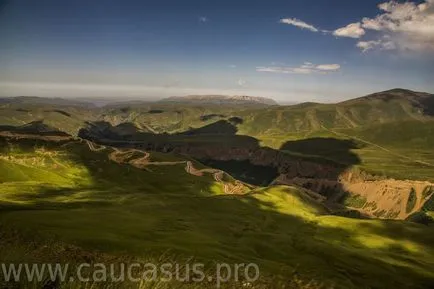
pixel 85 199
pixel 171 117
pixel 310 116
pixel 400 149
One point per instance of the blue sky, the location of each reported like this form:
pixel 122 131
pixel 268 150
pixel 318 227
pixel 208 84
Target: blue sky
pixel 324 50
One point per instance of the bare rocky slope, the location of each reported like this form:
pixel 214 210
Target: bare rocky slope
pixel 387 198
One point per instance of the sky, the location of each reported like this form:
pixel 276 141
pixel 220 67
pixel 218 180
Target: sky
pixel 291 51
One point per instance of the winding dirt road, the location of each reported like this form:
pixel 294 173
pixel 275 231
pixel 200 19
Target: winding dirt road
pixel 141 162
pixel 229 188
pixel 92 146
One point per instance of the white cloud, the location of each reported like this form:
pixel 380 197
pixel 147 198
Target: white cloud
pixel 328 67
pixel 367 45
pixel 203 19
pixel 371 24
pixel 353 30
pixel 232 66
pixel 383 44
pixel 305 68
pixel 241 82
pixel 299 23
pixel 404 26
pixel 401 25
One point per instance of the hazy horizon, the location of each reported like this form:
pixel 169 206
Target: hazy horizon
pixel 104 100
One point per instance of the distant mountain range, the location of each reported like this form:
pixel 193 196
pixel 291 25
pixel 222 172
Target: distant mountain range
pixel 35 100
pixel 423 100
pixel 221 99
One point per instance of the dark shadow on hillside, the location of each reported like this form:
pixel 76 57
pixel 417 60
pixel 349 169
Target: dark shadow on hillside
pixel 104 130
pixel 155 111
pixel 34 128
pixel 62 112
pixel 221 127
pixel 427 105
pixel 328 148
pixel 22 110
pixel 214 133
pixel 235 120
pixel 211 116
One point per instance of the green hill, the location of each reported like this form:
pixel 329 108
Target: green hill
pixel 382 107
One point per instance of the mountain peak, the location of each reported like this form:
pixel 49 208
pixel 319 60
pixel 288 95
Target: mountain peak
pixel 396 94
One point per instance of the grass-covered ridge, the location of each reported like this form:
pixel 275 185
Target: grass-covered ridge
pixel 84 198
